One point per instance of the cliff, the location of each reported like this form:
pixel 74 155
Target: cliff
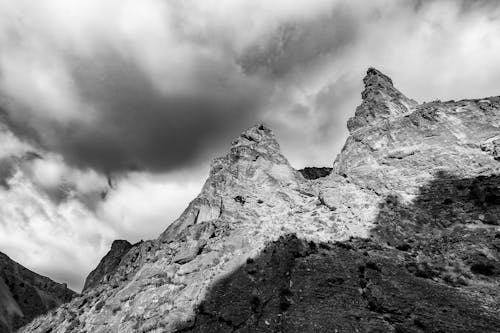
pixel 25 295
pixel 108 264
pixel 402 236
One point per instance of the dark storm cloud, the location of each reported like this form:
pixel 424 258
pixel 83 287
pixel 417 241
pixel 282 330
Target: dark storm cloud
pixel 158 85
pixel 341 94
pixel 466 6
pixel 294 46
pixel 111 110
pixel 139 127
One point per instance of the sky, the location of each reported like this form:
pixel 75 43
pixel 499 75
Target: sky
pixel 112 111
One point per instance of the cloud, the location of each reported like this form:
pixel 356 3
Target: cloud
pixel 43 236
pixel 59 220
pixel 134 84
pixel 297 45
pixel 167 195
pixel 54 220
pixel 431 49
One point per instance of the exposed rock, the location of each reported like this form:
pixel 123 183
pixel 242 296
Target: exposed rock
pixel 108 264
pixel 380 101
pixel 355 286
pixel 402 236
pixel 315 173
pixel 492 146
pixel 25 295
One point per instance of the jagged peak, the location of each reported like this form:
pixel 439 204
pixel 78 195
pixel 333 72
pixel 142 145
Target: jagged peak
pixel 120 243
pixel 374 74
pixel 257 141
pixel 380 100
pixel 257 134
pixel 255 149
pixel 108 263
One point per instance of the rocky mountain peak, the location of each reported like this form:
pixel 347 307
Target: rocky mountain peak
pixel 256 142
pixel 402 232
pixel 108 264
pixel 253 167
pixel 380 100
pixel 374 75
pixel 119 244
pixel 258 133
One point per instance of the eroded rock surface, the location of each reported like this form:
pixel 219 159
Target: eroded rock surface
pixel 315 172
pixel 108 264
pixel 25 295
pixel 402 236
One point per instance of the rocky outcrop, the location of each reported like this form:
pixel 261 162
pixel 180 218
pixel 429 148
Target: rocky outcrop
pixel 315 173
pixel 25 295
pixel 381 101
pixel 401 236
pixel 108 264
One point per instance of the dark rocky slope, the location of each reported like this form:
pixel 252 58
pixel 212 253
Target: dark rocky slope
pixel 402 236
pixel 108 264
pixel 25 295
pixel 315 172
pixel 354 286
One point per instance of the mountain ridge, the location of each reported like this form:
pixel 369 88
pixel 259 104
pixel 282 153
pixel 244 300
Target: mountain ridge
pixel 408 188
pixel 26 294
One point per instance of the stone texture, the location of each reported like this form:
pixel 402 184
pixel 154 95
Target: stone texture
pixel 401 236
pixel 315 173
pixel 354 286
pixel 25 295
pixel 380 101
pixel 108 264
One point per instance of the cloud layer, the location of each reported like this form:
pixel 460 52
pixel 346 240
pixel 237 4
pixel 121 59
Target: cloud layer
pixel 146 92
pixel 157 85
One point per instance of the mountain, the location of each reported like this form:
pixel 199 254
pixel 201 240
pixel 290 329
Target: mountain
pixel 401 235
pixel 25 294
pixel 108 264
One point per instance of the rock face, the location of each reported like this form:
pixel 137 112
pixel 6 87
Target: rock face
pixel 381 101
pixel 315 173
pixel 402 236
pixel 108 264
pixel 25 294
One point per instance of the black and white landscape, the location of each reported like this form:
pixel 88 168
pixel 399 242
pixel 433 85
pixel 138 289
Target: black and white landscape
pixel 143 188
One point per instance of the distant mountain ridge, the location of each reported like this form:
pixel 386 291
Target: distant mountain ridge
pixel 402 235
pixel 25 294
pixel 108 264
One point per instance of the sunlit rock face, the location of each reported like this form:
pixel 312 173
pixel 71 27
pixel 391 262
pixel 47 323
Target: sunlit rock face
pixel 402 236
pixel 25 295
pixel 381 101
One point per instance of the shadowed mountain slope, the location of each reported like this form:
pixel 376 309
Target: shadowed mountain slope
pixel 25 295
pixel 430 266
pixel 108 264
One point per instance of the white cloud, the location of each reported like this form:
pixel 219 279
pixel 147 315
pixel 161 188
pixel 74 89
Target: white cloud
pixel 143 205
pixel 43 236
pixel 65 238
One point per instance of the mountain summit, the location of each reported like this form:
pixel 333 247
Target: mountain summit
pixel 380 101
pixel 402 235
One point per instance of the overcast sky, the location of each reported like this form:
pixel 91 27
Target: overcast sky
pixel 147 92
